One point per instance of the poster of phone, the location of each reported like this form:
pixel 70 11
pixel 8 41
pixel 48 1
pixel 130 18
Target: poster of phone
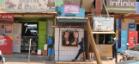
pixel 132 39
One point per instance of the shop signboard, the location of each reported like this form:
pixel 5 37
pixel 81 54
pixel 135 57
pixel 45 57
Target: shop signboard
pixel 6 17
pixel 29 6
pixel 132 26
pixel 103 24
pixel 132 38
pixel 72 6
pixel 121 6
pixel 81 13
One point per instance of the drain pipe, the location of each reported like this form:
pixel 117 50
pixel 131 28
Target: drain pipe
pixel 29 49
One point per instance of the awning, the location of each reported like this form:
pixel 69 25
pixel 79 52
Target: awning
pixel 71 19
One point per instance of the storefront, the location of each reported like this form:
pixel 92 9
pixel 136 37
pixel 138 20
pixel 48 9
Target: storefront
pixel 31 21
pixel 68 33
pixel 122 10
pixel 33 26
pixel 104 34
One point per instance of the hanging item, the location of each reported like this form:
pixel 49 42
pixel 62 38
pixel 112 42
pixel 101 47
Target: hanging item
pixel 103 24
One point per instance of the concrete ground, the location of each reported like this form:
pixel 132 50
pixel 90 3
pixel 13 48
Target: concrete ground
pixel 24 59
pixel 34 59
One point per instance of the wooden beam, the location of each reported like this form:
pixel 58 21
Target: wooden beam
pixel 92 42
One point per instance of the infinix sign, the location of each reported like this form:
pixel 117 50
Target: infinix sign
pixel 121 6
pixel 123 3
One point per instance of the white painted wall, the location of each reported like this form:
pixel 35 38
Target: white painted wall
pixel 64 53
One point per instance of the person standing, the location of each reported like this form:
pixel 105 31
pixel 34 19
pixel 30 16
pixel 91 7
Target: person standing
pixel 81 50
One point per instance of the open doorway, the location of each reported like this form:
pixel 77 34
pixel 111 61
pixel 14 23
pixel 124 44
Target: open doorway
pixel 29 31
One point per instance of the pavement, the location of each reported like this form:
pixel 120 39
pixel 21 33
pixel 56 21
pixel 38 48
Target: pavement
pixel 35 59
pixel 24 59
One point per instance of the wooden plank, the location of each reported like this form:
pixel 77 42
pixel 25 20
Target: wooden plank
pixel 105 50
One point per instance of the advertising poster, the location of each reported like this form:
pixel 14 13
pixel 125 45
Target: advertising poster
pixel 70 38
pixel 103 24
pixel 8 28
pixel 132 38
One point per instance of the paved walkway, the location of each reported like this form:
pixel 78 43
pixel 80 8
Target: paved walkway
pixel 23 59
pixel 35 59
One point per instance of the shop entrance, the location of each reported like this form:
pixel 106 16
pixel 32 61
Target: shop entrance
pixel 29 31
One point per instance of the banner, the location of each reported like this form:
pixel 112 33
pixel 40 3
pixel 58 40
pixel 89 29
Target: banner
pixel 4 17
pixel 71 6
pixel 28 5
pixel 121 6
pixel 132 38
pixel 103 24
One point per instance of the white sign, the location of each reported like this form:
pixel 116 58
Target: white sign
pixel 121 3
pixel 27 5
pixel 121 6
pixel 103 24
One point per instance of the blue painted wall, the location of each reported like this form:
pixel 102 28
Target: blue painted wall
pixel 124 37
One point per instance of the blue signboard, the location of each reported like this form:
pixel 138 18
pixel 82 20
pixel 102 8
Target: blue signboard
pixel 132 26
pixel 124 38
pixel 60 11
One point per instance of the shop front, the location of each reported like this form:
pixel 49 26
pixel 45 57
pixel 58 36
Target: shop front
pixel 31 21
pixel 125 23
pixel 104 34
pixel 37 27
